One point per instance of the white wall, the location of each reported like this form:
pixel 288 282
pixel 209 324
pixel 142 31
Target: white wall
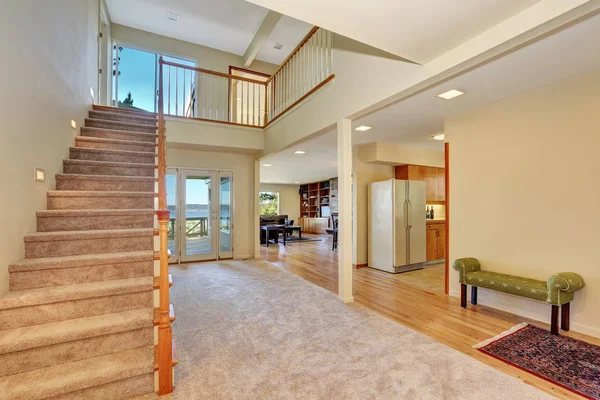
pixel 223 136
pixel 242 166
pixel 205 57
pixel 524 189
pixel 50 61
pixel 289 199
pixel 363 175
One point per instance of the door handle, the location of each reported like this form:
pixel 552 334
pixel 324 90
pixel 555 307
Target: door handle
pixel 406 214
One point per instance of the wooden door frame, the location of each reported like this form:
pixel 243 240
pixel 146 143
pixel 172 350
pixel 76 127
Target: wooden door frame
pixel 447 195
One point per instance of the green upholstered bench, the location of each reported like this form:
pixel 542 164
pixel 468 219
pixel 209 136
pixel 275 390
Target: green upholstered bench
pixel 557 291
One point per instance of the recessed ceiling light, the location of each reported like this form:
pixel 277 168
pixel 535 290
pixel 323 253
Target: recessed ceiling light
pixel 300 152
pixel 172 16
pixel 363 128
pixel 267 165
pixel 450 94
pixel 278 46
pixel 441 136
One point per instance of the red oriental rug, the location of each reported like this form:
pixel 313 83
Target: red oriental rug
pixel 564 361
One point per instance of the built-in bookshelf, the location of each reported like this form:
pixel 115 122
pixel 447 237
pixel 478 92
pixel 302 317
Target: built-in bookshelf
pixel 313 196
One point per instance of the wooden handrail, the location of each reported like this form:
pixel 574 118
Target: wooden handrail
pixel 165 344
pixel 293 53
pixel 301 99
pixel 208 71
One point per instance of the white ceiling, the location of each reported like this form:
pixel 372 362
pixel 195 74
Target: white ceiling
pixel 413 121
pixel 319 162
pixel 289 32
pixel 416 30
pixel 228 25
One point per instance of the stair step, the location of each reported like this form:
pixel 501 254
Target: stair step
pixel 25 338
pixel 89 167
pixel 113 183
pixel 174 353
pixel 88 200
pixel 59 271
pixel 125 111
pixel 127 145
pixel 157 282
pixel 118 134
pixel 116 116
pixel 61 353
pixel 149 396
pixel 120 126
pixel 157 314
pixel 58 303
pixel 78 375
pixel 123 389
pixel 71 243
pixel 157 254
pixel 85 153
pixel 75 220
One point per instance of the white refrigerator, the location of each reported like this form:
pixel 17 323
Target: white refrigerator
pixel 397 231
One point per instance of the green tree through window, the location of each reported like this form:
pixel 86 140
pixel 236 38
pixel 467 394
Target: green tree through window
pixel 128 100
pixel 269 203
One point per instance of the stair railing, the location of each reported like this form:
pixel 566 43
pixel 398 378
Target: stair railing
pixel 308 68
pixel 165 343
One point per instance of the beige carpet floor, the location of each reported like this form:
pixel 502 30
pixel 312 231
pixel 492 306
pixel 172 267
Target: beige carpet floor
pixel 250 330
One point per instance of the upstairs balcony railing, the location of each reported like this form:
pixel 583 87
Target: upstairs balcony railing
pixel 191 92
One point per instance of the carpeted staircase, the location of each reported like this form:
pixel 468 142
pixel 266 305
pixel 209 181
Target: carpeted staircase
pixel 78 320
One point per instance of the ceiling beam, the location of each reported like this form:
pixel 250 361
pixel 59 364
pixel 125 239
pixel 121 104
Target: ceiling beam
pixel 261 37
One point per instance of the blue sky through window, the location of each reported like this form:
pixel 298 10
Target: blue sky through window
pixel 138 75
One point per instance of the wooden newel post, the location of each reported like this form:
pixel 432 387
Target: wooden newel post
pixel 165 344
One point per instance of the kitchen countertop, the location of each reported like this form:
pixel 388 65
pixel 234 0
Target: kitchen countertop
pixel 435 221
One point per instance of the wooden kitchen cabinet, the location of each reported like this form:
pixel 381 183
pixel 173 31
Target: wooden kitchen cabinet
pixel 435 182
pixel 314 225
pixel 436 240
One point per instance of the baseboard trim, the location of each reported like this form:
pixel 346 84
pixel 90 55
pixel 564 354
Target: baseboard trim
pixel 359 266
pixel 575 326
pixel 346 300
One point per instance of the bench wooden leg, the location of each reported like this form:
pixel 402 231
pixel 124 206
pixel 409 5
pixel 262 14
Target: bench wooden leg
pixel 463 295
pixel 565 317
pixel 554 321
pixel 474 295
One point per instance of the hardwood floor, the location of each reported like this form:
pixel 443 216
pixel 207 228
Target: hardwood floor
pixel 426 311
pixel 431 277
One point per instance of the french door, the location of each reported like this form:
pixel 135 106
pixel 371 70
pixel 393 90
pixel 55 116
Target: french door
pixel 200 227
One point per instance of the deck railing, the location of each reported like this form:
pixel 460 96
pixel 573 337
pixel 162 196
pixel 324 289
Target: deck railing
pixel 191 92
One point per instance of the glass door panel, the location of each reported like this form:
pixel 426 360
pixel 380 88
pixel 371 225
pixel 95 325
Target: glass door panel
pixel 172 197
pixel 225 215
pixel 197 234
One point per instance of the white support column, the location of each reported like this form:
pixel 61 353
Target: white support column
pixel 344 155
pixel 256 209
